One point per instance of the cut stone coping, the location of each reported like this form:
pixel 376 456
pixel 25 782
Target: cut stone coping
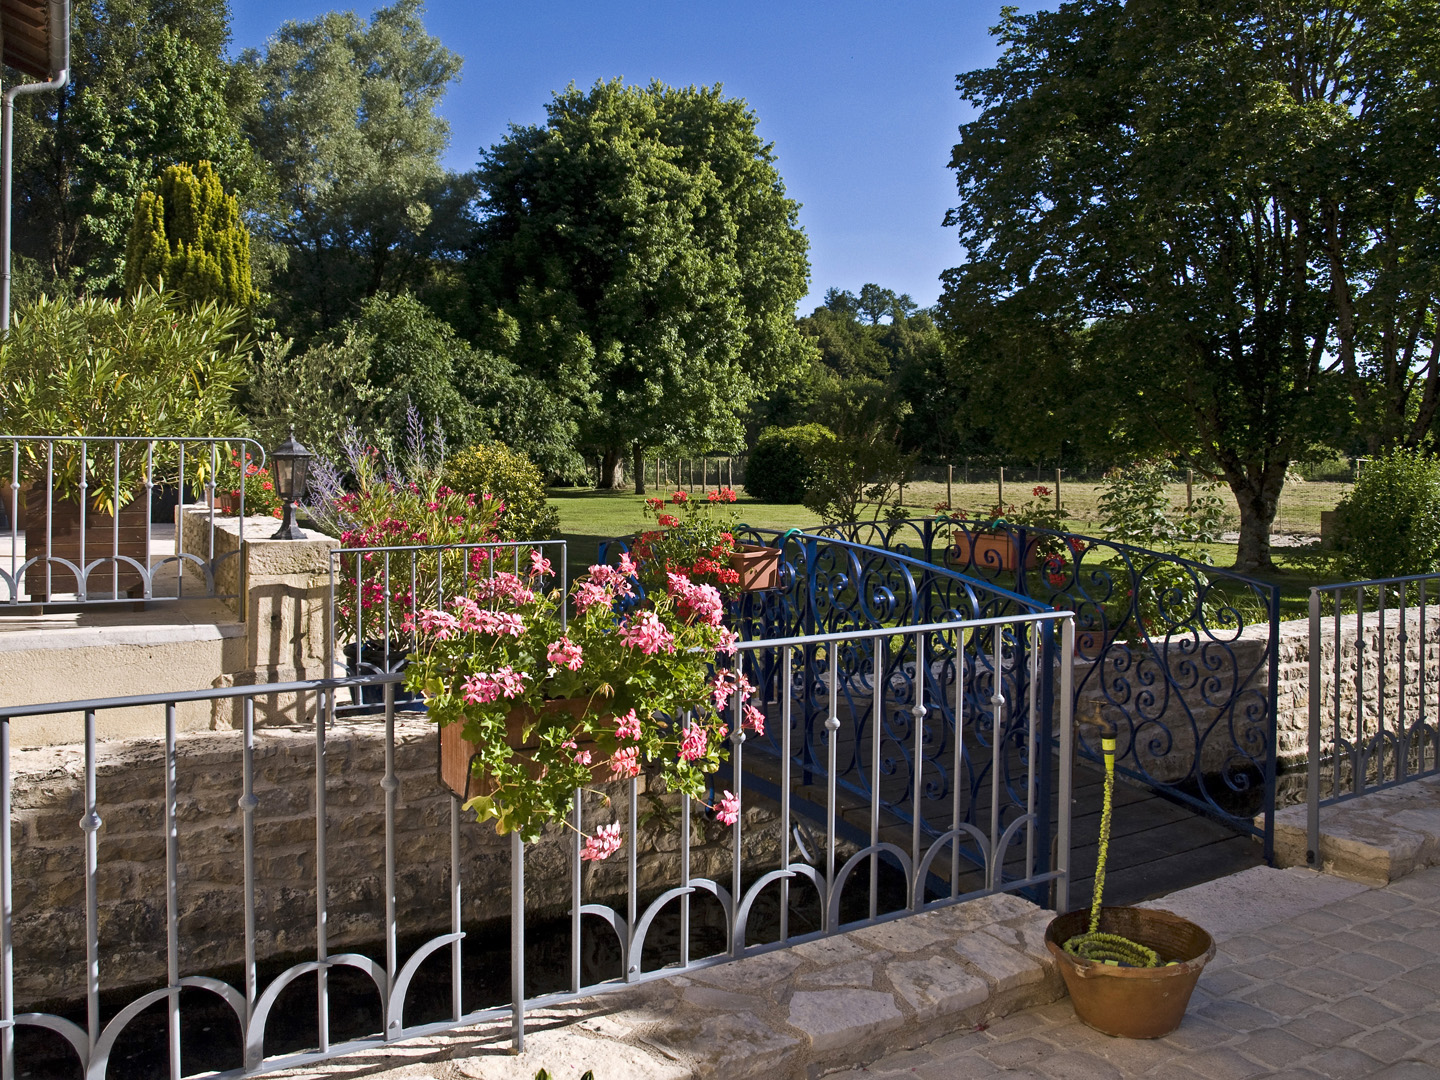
pixel 1376 838
pixel 790 1013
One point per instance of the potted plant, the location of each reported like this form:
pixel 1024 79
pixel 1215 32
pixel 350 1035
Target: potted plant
pixel 531 707
pixel 696 537
pixel 1130 971
pixel 260 497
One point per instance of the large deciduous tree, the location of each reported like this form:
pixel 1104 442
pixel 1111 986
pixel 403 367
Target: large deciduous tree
pixel 345 113
pixel 643 258
pixel 1168 207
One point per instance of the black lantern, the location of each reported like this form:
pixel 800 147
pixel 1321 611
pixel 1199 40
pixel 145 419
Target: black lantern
pixel 292 472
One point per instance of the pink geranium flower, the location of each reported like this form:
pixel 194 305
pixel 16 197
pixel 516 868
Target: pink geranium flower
pixel 727 810
pixel 603 843
pixel 692 748
pixel 625 763
pixel 645 631
pixel 627 726
pixel 565 653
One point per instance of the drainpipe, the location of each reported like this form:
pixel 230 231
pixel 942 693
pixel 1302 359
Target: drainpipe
pixel 60 64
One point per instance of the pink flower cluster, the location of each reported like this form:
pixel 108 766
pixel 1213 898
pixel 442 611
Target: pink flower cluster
pixel 692 748
pixel 565 653
pixel 439 624
pixel 627 726
pixel 539 565
pixel 483 688
pixel 645 631
pixel 625 763
pixel 601 586
pixel 727 810
pixel 580 757
pixel 603 843
pixel 696 602
pixel 726 683
pixel 504 586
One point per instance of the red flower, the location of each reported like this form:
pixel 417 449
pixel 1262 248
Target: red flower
pixel 669 520
pixel 679 497
pixel 1040 491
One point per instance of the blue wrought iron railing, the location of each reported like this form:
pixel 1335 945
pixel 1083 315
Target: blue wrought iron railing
pixel 1183 656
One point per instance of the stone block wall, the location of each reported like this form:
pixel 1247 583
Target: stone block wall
pixel 49 885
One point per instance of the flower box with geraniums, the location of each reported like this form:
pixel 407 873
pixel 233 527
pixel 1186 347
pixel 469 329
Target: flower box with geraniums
pixel 989 541
pixel 537 707
pixel 252 481
pixel 695 536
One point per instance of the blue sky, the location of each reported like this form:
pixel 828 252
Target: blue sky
pixel 858 98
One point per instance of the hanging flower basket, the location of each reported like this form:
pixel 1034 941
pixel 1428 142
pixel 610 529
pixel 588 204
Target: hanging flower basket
pixel 461 774
pixel 758 567
pixel 992 551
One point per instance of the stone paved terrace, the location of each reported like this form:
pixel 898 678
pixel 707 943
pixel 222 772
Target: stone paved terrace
pixel 1316 977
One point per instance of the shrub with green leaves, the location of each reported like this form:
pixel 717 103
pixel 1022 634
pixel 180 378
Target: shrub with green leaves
pixel 1134 509
pixel 781 465
pixel 494 468
pixel 1389 524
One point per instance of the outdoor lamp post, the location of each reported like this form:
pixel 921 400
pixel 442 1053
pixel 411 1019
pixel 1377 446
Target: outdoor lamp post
pixel 292 470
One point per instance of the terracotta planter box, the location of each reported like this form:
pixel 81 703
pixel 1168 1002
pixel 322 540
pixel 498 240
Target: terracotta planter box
pixel 457 752
pixel 64 543
pixel 758 567
pixel 992 551
pixel 1089 644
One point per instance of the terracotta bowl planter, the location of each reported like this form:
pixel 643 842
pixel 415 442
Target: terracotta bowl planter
pixel 992 551
pixel 758 567
pixel 1133 1003
pixel 1089 644
pixel 457 752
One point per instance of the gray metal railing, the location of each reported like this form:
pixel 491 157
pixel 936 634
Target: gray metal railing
pixel 80 516
pixel 1377 678
pixel 818 877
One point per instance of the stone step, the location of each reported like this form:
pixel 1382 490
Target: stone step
pixel 1376 838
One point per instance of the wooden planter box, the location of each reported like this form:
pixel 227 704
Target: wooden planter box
pixel 64 543
pixel 457 752
pixel 992 551
pixel 758 567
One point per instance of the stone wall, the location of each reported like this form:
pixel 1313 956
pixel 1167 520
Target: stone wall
pixel 1203 678
pixel 49 885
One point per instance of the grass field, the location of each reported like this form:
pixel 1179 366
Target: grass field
pixel 589 517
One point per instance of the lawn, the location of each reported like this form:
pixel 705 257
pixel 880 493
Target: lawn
pixel 588 517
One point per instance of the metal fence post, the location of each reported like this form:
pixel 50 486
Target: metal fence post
pixel 1312 772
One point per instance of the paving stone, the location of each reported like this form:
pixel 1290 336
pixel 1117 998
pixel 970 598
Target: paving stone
pixel 1379 899
pixel 860 974
pixel 750 973
pixel 1402 955
pixel 827 952
pixel 1344 942
pixel 738 1045
pixel 1427 976
pixel 1282 1000
pixel 1264 969
pixel 1247 947
pixel 1237 1015
pixel 1380 930
pixel 1404 995
pixel 1427 940
pixel 1023 1022
pixel 717 1000
pixel 936 987
pixel 1408 1070
pixel 961 1043
pixel 835 1018
pixel 1223 1063
pixel 1423 887
pixel 971 1068
pixel 914 934
pixel 1273 1047
pixel 1135 1056
pixel 1005 967
pixel 1225 981
pixel 1321 1028
pixel 1364 1010
pixel 1387 1044
pixel 904 1062
pixel 1197 1033
pixel 1320 922
pixel 1368 969
pixel 1028 936
pixel 1342 1063
pixel 1017 1053
pixel 1424 1026
pixel 1284 936
pixel 1075 1065
pixel 1321 982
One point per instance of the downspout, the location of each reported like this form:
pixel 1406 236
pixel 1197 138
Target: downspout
pixel 60 63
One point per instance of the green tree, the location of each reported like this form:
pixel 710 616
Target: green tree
pixel 1144 236
pixel 149 87
pixel 645 262
pixel 345 113
pixel 187 233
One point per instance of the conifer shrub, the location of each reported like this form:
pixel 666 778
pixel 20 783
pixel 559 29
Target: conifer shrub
pixel 496 469
pixel 187 236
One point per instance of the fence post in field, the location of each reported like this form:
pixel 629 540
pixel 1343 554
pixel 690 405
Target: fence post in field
pixel 1057 491
pixel 949 483
pixel 730 472
pixel 1189 488
pixel 967 470
pixel 1000 489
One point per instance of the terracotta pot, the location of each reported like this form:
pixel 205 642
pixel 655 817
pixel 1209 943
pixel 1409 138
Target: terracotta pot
pixel 1133 1003
pixel 992 551
pixel 64 543
pixel 229 502
pixel 1089 644
pixel 758 567
pixel 457 752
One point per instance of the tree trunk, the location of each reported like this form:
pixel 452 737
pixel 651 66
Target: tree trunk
pixel 1257 491
pixel 612 470
pixel 637 463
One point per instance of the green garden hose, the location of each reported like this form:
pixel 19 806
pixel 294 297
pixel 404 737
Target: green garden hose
pixel 1093 945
